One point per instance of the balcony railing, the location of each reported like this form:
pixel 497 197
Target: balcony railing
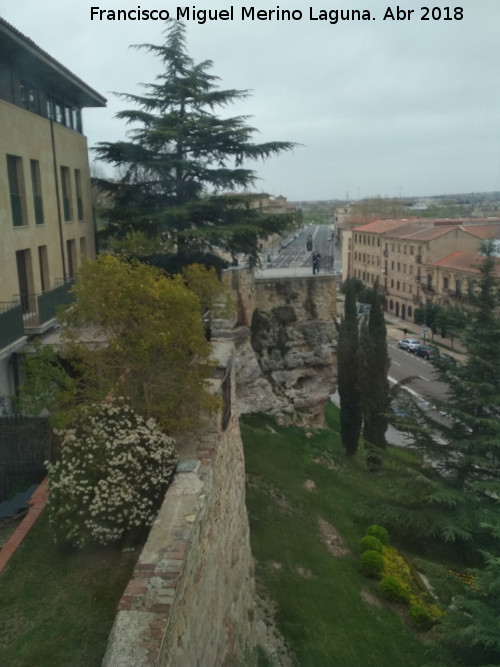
pixel 11 323
pixel 40 309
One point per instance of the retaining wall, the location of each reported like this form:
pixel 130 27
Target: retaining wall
pixel 190 600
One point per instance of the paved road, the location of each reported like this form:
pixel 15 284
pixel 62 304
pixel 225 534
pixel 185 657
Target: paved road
pixel 296 255
pixel 406 364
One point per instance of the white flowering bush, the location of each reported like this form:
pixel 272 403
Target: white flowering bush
pixel 112 475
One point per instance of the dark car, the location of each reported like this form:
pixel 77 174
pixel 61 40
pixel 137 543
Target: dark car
pixel 448 359
pixel 426 351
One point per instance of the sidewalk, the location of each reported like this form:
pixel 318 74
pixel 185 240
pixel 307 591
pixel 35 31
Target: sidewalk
pixel 395 329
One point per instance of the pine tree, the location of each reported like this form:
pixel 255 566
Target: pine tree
pixel 374 365
pixel 348 385
pixel 182 167
pixel 454 493
pixel 469 631
pixel 472 459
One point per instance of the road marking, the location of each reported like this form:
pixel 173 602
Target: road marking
pixel 422 378
pixel 395 362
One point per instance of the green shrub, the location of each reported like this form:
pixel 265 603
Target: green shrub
pixel 394 590
pixel 420 617
pixel 372 563
pixel 112 475
pixel 371 542
pixel 379 532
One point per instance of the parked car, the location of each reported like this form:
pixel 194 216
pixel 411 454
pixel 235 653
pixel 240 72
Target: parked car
pixel 448 358
pixel 409 344
pixel 427 352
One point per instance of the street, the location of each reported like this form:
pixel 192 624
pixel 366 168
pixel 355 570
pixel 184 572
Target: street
pixel 292 251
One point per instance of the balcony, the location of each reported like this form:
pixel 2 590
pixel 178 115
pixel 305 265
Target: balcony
pixel 11 324
pixel 39 311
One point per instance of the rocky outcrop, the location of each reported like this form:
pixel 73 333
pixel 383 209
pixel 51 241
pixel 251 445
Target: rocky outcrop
pixel 285 361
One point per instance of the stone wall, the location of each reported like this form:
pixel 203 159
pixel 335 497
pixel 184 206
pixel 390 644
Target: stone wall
pixel 191 598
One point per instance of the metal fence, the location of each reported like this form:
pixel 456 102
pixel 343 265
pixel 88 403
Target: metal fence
pixel 25 443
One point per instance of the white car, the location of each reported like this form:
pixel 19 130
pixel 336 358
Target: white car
pixel 409 344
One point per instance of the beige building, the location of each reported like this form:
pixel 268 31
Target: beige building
pixel 402 255
pixel 46 218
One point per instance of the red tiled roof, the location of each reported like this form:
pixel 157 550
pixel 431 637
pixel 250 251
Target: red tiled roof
pixel 428 233
pixel 488 231
pixel 381 226
pixel 469 262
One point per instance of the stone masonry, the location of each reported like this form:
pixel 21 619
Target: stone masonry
pixel 190 601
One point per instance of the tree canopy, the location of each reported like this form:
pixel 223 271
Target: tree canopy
pixel 137 333
pixel 348 382
pixel 182 168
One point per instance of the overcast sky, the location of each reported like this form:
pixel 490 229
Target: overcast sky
pixel 380 107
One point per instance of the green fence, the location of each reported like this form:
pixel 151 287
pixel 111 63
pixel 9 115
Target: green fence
pixel 48 302
pixel 11 324
pixel 25 444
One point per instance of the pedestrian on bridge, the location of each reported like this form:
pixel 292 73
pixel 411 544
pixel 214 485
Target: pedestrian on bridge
pixel 316 257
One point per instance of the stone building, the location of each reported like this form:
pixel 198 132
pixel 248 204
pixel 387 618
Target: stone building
pixel 402 255
pixel 45 203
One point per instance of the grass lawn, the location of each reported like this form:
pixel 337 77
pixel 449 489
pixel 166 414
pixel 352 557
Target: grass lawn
pixel 327 610
pixel 57 607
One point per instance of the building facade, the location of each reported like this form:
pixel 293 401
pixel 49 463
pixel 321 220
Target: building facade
pixel 403 257
pixel 46 217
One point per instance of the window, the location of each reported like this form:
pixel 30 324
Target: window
pixel 66 194
pixel 37 191
pixel 445 282
pixel 16 189
pixel 25 279
pixel 399 267
pixel 71 253
pixel 78 189
pixel 58 115
pixel 33 104
pixel 44 267
pixel 411 250
pixel 23 94
pixel 392 266
pixel 68 117
pixel 83 246
pixel 29 97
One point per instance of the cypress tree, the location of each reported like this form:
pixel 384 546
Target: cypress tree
pixel 348 386
pixel 373 368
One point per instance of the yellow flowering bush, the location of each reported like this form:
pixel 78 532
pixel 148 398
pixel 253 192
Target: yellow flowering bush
pixel 114 469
